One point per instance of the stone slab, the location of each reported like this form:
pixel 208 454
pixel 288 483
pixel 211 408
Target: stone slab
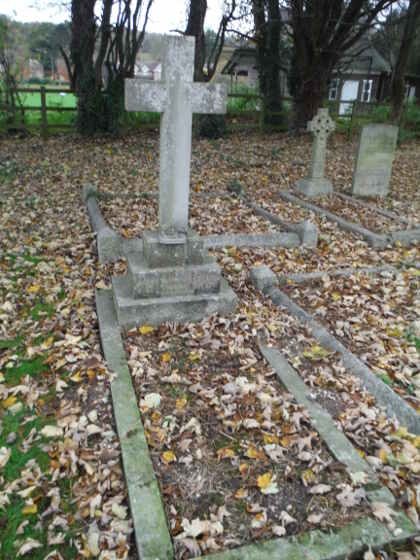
pixel 374 239
pixel 374 159
pixel 394 405
pixel 306 230
pixel 152 537
pixel 314 187
pixel 172 281
pixel 406 237
pixel 288 240
pixel 133 312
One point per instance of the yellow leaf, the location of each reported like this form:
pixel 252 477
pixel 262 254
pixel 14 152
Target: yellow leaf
pixel 383 456
pixel 194 356
pixel 254 453
pixel 243 468
pixel 395 332
pixel 241 493
pixel 48 343
pixel 34 289
pixel 308 476
pixel 166 356
pixel 7 403
pixel 225 453
pixel 336 296
pixel 316 353
pixel 30 509
pixel 91 373
pixel 77 377
pixel 270 438
pixel 181 404
pixel 146 329
pixel 168 457
pixel 264 480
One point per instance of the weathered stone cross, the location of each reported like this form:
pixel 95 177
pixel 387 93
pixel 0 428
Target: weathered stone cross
pixel 177 97
pixel 316 184
pixel 321 127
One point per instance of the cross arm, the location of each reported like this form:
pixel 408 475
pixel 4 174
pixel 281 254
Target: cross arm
pixel 142 95
pixel 208 98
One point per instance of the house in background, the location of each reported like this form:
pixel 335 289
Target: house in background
pixel 363 75
pixel 148 70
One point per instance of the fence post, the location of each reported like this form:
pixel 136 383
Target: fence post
pixel 44 121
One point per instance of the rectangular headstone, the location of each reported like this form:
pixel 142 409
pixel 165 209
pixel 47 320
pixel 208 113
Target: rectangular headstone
pixel 375 155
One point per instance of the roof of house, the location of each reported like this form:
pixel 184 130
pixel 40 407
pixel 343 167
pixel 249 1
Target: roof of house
pixel 362 58
pixel 238 56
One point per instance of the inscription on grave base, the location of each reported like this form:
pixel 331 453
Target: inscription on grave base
pixel 375 156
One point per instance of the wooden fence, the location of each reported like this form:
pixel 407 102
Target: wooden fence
pixel 43 108
pixel 358 108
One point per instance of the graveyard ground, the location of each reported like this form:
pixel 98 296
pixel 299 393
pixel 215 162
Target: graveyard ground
pixel 226 478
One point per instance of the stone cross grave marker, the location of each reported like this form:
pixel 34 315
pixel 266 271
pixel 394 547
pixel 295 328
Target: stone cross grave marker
pixel 170 275
pixel 321 127
pixel 177 97
pixel 375 154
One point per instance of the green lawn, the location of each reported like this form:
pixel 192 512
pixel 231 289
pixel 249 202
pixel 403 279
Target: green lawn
pixel 54 101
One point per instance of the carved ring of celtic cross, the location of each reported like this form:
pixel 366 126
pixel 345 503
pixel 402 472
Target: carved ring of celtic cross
pixel 322 126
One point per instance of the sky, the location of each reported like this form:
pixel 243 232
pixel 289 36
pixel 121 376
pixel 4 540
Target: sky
pixel 164 15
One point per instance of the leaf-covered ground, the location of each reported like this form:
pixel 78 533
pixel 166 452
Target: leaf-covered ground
pixel 62 492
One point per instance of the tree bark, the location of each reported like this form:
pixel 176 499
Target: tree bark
pixel 398 82
pixel 89 96
pixel 195 27
pixel 267 32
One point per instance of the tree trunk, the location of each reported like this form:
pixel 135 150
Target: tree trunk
pixel 309 96
pixel 268 45
pixel 195 27
pixel 90 108
pixel 398 83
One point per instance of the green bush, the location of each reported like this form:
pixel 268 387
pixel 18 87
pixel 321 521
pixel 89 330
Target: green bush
pixel 210 126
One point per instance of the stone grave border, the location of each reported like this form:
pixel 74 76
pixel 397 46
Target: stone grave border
pixel 266 281
pixel 152 537
pixel 303 277
pixel 111 246
pixel 376 240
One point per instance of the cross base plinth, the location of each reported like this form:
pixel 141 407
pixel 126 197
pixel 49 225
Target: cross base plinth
pixel 314 187
pixel 170 282
pixel 186 250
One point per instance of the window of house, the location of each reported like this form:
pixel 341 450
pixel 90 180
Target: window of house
pixel 333 90
pixel 367 90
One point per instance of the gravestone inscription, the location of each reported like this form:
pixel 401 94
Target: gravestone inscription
pixel 317 184
pixel 375 155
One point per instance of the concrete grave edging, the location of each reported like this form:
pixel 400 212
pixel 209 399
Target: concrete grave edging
pixel 271 239
pixel 301 278
pixel 109 243
pixel 376 240
pixel 266 281
pixel 306 230
pixel 152 537
pixel 381 211
pixel 336 441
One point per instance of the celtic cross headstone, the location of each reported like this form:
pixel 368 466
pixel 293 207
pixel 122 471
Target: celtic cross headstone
pixel 321 127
